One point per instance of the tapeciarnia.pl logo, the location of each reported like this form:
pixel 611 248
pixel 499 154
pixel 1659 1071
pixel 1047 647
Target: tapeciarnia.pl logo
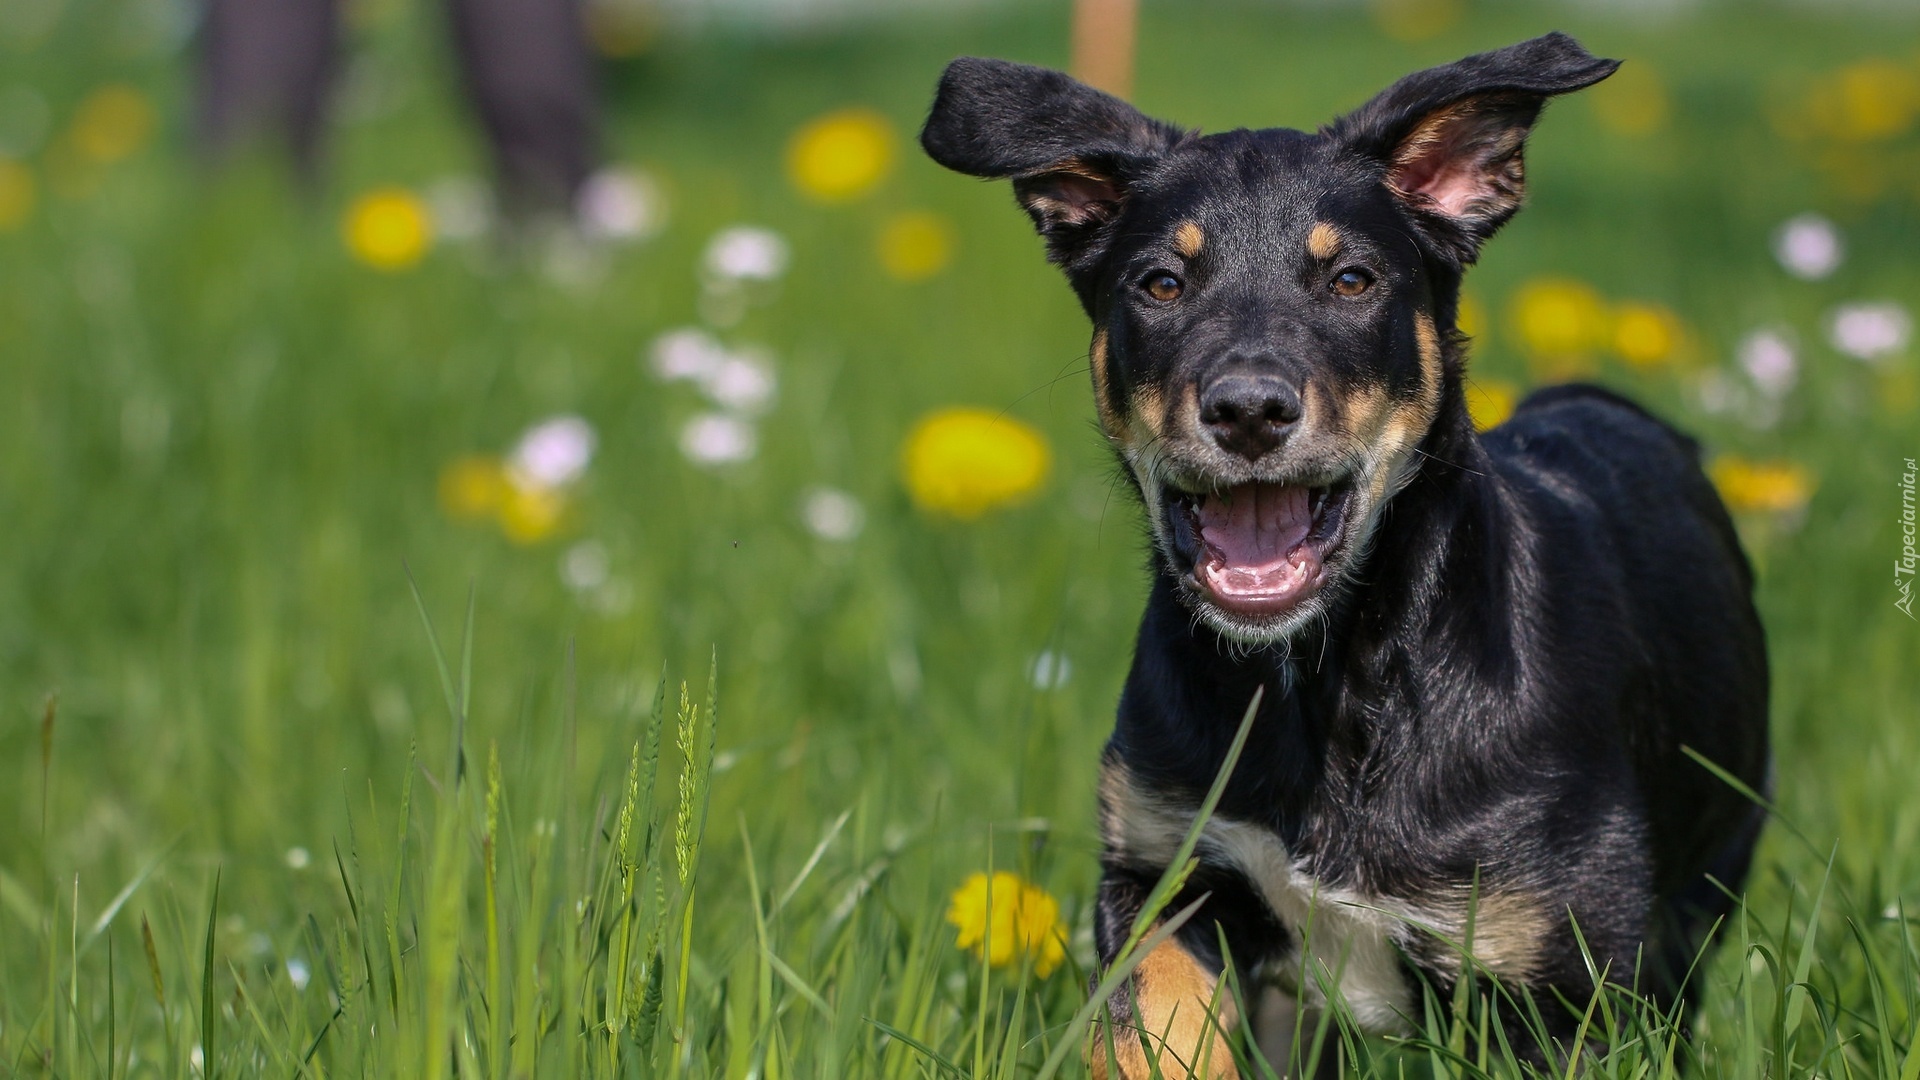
pixel 1904 566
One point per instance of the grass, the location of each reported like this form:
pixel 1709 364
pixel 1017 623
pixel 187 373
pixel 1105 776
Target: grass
pixel 231 751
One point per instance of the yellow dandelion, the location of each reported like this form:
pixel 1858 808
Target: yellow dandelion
pixel 388 228
pixel 916 245
pixel 964 462
pixel 1490 402
pixel 1646 335
pixel 1415 20
pixel 842 155
pixel 1471 318
pixel 1559 322
pixel 112 123
pixel 1899 391
pixel 1869 101
pixel 530 513
pixel 1633 101
pixel 1005 918
pixel 1857 173
pixel 17 195
pixel 1770 487
pixel 473 488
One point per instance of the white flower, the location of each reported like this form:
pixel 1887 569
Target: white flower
pixel 1722 393
pixel 746 253
pixel 723 303
pixel 297 858
pixel 611 599
pixel 743 382
pixel 717 439
pixel 1870 330
pixel 1809 247
pixel 832 514
pixel 1718 393
pixel 554 452
pixel 687 353
pixel 1768 358
pixel 570 261
pixel 298 973
pixel 1050 670
pixel 620 204
pixel 585 566
pixel 461 207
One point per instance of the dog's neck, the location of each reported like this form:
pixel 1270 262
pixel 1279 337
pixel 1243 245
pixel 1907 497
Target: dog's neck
pixel 1321 689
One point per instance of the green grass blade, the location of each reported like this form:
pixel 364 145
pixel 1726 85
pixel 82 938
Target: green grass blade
pixel 125 894
pixel 448 691
pixel 209 1028
pixel 1178 868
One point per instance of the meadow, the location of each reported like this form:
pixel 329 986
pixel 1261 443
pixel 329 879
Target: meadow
pixel 321 755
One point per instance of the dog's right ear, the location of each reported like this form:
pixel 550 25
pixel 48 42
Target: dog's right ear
pixel 1070 150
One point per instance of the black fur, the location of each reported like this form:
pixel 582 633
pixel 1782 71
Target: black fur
pixel 1491 685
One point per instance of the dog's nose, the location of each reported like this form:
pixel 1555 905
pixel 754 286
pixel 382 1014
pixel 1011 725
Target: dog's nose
pixel 1249 415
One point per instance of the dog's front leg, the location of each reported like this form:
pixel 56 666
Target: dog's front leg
pixel 1285 1031
pixel 1172 1014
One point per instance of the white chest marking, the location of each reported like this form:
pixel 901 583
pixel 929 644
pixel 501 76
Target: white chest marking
pixel 1344 944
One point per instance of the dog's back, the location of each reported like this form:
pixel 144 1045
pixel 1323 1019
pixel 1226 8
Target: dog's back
pixel 1622 511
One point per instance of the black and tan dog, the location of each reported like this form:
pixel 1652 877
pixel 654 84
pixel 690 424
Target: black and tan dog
pixel 1482 654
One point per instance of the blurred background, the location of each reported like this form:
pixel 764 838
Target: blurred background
pixel 646 321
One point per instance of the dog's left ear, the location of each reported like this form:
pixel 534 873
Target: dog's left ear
pixel 1450 138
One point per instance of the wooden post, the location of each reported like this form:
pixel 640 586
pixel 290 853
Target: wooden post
pixel 1103 42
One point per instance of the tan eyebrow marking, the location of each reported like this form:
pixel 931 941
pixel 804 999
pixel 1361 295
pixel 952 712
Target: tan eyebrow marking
pixel 1323 241
pixel 1188 239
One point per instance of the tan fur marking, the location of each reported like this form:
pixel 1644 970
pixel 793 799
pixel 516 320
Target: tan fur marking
pixel 1187 416
pixel 1110 421
pixel 1188 239
pixel 1128 1060
pixel 1323 241
pixel 1408 423
pixel 1366 412
pixel 1177 1006
pixel 1509 932
pixel 1428 339
pixel 1151 409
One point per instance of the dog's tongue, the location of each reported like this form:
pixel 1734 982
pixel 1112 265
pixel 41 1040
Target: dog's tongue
pixel 1254 557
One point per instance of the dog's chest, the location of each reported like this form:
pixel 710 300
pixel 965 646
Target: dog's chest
pixel 1338 939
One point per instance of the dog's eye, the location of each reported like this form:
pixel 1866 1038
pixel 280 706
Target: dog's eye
pixel 1352 282
pixel 1161 285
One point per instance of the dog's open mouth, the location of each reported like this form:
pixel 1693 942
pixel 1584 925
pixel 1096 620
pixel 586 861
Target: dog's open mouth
pixel 1259 549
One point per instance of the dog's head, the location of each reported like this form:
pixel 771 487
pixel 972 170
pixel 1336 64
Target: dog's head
pixel 1272 310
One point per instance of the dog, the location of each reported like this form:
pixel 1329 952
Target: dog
pixel 1483 657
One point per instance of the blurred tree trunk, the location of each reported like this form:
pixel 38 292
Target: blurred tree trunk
pixel 1103 43
pixel 530 78
pixel 268 65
